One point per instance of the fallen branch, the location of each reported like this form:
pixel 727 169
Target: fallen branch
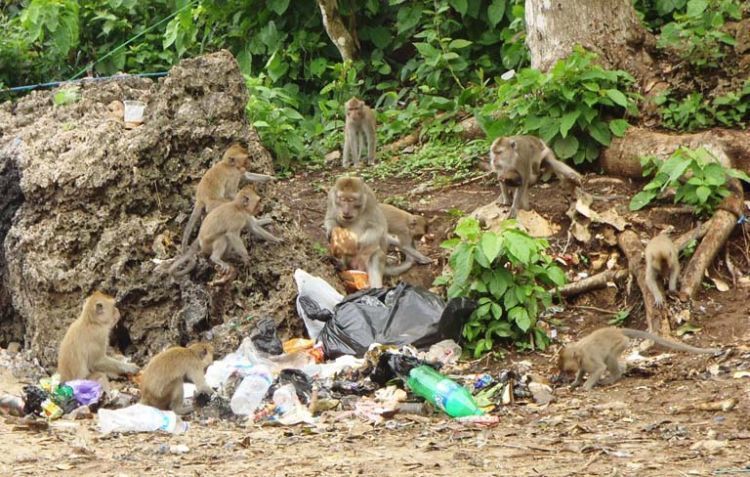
pixel 427 189
pixel 722 224
pixel 406 141
pixel 683 240
pixel 593 282
pixel 631 246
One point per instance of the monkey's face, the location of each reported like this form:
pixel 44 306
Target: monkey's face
pixel 250 201
pixel 350 205
pixel 354 110
pixel 567 361
pixel 502 152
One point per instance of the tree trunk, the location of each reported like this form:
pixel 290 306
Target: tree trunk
pixel 610 28
pixel 621 158
pixel 337 32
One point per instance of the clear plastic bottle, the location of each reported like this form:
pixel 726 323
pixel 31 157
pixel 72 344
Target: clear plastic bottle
pixel 443 392
pixel 250 393
pixel 285 398
pixel 139 418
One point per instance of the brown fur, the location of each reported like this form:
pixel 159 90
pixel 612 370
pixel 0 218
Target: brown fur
pixel 221 230
pixel 360 121
pixel 405 228
pixel 517 161
pixel 600 351
pixel 161 383
pixel 83 350
pixel 662 261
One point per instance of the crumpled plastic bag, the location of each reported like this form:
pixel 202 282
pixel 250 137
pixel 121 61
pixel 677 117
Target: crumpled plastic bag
pixel 397 316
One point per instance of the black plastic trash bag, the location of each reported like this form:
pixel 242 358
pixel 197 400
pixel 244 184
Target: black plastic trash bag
pixel 398 316
pixel 265 338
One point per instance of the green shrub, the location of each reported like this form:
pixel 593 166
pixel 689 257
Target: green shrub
pixel 504 272
pixel 569 107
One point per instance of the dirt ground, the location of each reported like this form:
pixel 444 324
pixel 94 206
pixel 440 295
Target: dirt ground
pixel 651 423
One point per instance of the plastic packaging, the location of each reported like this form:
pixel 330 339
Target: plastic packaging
pixel 397 316
pixel 85 391
pixel 251 391
pixel 139 418
pixel 265 338
pixel 297 344
pixel 320 292
pixel 447 395
pixel 50 410
pixel 12 405
pixel 289 410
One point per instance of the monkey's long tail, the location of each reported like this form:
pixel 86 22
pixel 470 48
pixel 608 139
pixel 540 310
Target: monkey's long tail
pixel 392 271
pixel 630 333
pixel 189 258
pixel 194 216
pixel 561 169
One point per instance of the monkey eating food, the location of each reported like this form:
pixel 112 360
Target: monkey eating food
pixel 517 161
pixel 662 261
pixel 600 351
pixel 163 377
pixel 360 121
pixel 83 350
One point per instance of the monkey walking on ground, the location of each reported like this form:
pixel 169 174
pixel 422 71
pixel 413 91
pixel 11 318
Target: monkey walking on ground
pixel 517 161
pixel 662 261
pixel 219 185
pixel 360 121
pixel 221 230
pixel 83 350
pixel 405 228
pixel 163 377
pixel 600 351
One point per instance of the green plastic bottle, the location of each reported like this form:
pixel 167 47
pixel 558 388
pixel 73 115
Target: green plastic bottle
pixel 446 394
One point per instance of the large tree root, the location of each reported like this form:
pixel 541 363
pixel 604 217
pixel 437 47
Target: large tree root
pixel 722 224
pixel 656 318
pixel 621 158
pixel 593 282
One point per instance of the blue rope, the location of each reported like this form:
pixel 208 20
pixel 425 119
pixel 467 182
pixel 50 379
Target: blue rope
pixel 52 84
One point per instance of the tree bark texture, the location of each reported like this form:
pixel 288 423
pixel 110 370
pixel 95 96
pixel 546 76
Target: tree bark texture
pixel 337 31
pixel 722 224
pixel 621 158
pixel 656 318
pixel 593 282
pixel 607 27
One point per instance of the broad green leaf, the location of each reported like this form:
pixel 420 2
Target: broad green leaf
pixel 460 5
pixel 490 245
pixel 458 44
pixel 617 96
pixel 641 199
pixel 520 316
pixel 618 127
pixel 567 122
pixel 495 12
pixel 600 132
pixel 408 17
pixel 565 148
pixel 703 193
pixel 696 8
pixel 468 228
pixel 278 6
pixel 464 259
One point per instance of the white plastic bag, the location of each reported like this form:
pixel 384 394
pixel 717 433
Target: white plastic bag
pixel 321 292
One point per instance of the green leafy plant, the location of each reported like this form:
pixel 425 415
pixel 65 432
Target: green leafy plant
pixel 696 175
pixel 620 318
pixel 570 107
pixel 697 35
pixel 504 271
pixel 66 96
pixel 696 112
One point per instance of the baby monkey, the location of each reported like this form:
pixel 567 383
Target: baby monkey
pixel 600 351
pixel 517 161
pixel 161 384
pixel 661 261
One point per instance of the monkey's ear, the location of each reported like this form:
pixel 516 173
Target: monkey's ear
pixel 577 356
pixel 413 221
pixel 513 143
pixel 99 308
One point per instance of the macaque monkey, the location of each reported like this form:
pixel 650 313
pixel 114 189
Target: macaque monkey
pixel 219 185
pixel 352 206
pixel 221 230
pixel 360 121
pixel 517 161
pixel 161 383
pixel 405 228
pixel 661 261
pixel 600 351
pixel 83 350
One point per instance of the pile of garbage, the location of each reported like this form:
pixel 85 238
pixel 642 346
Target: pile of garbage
pixel 372 355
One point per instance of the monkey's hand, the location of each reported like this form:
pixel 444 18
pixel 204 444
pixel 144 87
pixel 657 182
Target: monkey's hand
pixel 130 368
pixel 658 301
pixel 203 397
